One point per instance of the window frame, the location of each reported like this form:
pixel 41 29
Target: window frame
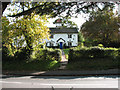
pixel 69 35
pixel 51 44
pixel 69 43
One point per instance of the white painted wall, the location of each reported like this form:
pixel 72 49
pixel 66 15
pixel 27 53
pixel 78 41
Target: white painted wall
pixel 74 39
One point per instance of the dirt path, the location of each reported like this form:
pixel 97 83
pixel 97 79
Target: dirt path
pixel 63 62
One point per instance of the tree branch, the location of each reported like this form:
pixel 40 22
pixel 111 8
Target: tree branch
pixel 4 6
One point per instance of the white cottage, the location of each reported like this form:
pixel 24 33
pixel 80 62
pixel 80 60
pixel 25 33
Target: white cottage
pixel 63 37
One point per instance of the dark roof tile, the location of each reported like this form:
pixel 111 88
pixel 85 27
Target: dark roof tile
pixel 63 30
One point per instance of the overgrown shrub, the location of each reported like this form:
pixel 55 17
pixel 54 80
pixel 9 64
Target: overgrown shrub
pixel 6 54
pixel 35 65
pixel 100 45
pixel 80 54
pixel 48 54
pixel 118 54
pixel 22 54
pixel 43 59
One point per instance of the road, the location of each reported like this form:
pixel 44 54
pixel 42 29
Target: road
pixel 59 82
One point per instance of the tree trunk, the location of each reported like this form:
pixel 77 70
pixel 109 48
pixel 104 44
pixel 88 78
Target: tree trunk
pixel 27 38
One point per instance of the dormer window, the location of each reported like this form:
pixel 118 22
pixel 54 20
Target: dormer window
pixel 58 22
pixel 69 35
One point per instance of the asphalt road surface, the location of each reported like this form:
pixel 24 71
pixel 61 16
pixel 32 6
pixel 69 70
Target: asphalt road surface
pixel 59 82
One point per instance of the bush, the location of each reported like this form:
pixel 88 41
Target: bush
pixel 6 56
pixel 43 59
pixel 94 64
pixel 48 54
pixel 22 54
pixel 35 65
pixel 80 54
pixel 100 45
pixel 118 54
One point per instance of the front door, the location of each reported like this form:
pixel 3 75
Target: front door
pixel 61 45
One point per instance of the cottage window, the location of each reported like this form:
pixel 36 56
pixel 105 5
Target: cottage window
pixel 51 36
pixel 69 35
pixel 51 44
pixel 69 43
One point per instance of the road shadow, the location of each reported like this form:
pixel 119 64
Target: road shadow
pixel 10 76
pixel 60 77
pixel 74 77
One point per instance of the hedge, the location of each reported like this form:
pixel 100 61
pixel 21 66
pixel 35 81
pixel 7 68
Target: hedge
pixel 41 54
pixel 79 54
pixel 49 54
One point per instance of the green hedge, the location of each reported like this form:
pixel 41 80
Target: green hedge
pixel 35 65
pixel 41 54
pixel 43 59
pixel 79 54
pixel 48 54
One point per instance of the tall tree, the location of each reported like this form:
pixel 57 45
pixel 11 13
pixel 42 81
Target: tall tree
pixel 101 25
pixel 30 30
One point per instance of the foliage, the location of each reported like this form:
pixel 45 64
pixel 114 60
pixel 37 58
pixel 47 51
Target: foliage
pixel 100 45
pixel 28 31
pixel 47 54
pixel 93 58
pixel 21 54
pixel 66 51
pixel 34 65
pixel 94 64
pixel 81 39
pixel 56 8
pixel 101 27
pixel 79 54
pixel 43 59
pixel 7 54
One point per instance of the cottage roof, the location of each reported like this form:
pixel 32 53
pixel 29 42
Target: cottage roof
pixel 63 30
pixel 57 21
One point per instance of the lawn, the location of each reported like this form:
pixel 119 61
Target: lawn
pixel 93 64
pixel 66 51
pixel 35 65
